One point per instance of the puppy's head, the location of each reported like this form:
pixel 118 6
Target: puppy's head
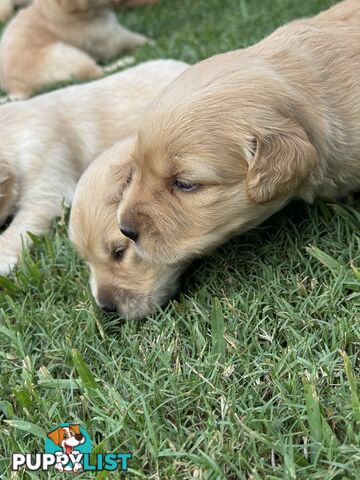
pixel 8 190
pixel 120 280
pixel 211 159
pixel 64 436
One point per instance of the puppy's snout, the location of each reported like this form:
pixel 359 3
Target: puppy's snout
pixel 105 301
pixel 79 437
pixel 129 232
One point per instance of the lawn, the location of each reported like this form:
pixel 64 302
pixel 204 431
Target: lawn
pixel 251 373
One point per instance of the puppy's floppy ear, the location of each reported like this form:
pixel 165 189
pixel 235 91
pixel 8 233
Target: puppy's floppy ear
pixel 75 428
pixel 56 436
pixel 281 162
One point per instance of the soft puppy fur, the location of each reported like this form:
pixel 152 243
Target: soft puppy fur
pixel 58 40
pixel 7 7
pixel 47 142
pixel 120 280
pixel 239 135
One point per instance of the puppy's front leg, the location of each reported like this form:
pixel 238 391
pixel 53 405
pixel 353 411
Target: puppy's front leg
pixel 15 237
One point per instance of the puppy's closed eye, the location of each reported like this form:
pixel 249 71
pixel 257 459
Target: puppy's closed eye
pixel 117 252
pixel 185 185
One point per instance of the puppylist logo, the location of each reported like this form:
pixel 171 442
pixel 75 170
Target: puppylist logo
pixel 68 449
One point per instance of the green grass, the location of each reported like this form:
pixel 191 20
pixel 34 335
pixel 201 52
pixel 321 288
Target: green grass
pixel 252 373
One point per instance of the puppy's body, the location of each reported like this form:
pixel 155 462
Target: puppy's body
pixel 47 142
pixel 59 40
pixel 249 131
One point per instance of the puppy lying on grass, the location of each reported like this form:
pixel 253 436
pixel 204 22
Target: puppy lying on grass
pixel 120 280
pixel 7 7
pixel 47 142
pixel 58 40
pixel 239 135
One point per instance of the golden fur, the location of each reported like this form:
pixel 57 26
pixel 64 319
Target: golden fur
pixel 7 7
pixel 58 40
pixel 237 136
pixel 47 142
pixel 120 280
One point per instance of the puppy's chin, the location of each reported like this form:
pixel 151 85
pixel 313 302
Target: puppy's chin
pixel 136 305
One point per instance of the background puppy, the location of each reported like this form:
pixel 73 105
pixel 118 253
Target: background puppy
pixel 59 40
pixel 7 7
pixel 47 142
pixel 120 280
pixel 237 136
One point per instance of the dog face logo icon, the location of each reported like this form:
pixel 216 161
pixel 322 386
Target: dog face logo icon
pixel 72 441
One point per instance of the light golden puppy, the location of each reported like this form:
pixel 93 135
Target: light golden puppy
pixel 7 7
pixel 58 40
pixel 47 142
pixel 120 280
pixel 237 136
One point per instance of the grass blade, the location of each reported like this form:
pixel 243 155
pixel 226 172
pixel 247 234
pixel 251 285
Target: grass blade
pixel 355 402
pixel 325 259
pixel 217 330
pixel 27 427
pixel 314 417
pixel 84 372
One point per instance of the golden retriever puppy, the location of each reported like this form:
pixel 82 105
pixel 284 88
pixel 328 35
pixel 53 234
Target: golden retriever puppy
pixel 120 280
pixel 59 40
pixel 237 136
pixel 7 7
pixel 47 142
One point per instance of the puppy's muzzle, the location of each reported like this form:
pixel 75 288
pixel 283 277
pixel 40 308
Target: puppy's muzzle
pixel 105 301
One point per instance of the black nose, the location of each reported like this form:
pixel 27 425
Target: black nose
pixel 79 436
pixel 130 233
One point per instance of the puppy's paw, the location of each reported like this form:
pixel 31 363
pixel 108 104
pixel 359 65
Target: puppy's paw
pixel 77 467
pixel 121 63
pixel 7 263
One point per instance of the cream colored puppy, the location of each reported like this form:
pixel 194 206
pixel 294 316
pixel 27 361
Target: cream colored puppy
pixel 59 40
pixel 120 280
pixel 47 142
pixel 239 135
pixel 7 7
